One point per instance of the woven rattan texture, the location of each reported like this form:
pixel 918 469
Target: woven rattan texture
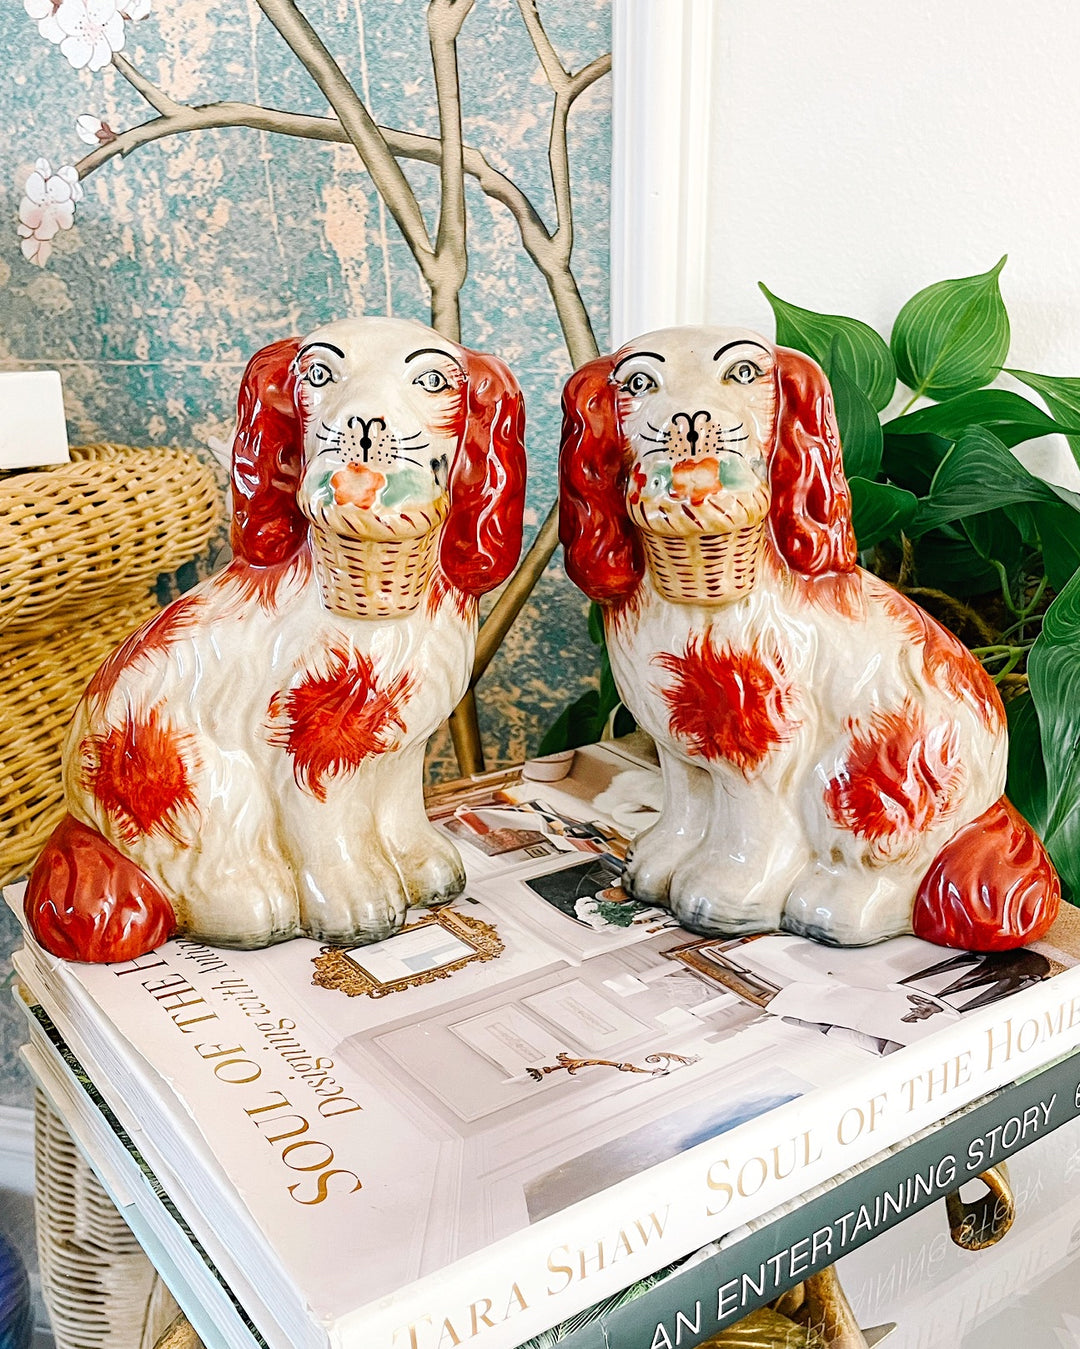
pixel 40 683
pixel 81 547
pixel 74 536
pixel 98 1286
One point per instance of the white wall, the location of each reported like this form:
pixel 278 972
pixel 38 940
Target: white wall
pixel 856 150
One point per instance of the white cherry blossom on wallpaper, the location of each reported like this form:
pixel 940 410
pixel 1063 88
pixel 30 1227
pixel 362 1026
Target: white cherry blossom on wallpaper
pixel 93 131
pixel 86 31
pixel 48 206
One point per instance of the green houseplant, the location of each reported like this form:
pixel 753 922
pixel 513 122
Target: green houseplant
pixel 946 512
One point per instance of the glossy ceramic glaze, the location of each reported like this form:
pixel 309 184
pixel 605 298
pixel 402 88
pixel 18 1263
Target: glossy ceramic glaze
pixel 248 766
pixel 833 759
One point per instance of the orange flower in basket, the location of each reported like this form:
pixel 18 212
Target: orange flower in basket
pixel 357 485
pixel 694 479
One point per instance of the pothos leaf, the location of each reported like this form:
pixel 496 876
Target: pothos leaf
pixel 860 430
pixel 978 474
pixel 864 354
pixel 878 510
pixel 1054 680
pixel 953 336
pixel 1011 418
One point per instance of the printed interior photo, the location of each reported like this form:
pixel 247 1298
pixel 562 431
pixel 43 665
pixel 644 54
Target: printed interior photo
pixel 591 895
pixel 881 996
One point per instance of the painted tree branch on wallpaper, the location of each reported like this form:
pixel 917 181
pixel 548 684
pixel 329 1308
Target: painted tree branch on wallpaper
pixel 92 34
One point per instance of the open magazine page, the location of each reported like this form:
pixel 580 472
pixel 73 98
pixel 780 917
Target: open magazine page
pixel 515 1053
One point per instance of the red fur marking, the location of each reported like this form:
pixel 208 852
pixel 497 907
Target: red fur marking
pixel 157 634
pixel 990 888
pixel 140 774
pixel 330 723
pixel 728 704
pixel 950 666
pixel 243 583
pixel 624 613
pixel 440 591
pixel 897 779
pixel 834 592
pixel 86 901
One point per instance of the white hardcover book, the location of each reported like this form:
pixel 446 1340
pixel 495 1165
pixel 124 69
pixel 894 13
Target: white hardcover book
pixel 213 1294
pixel 541 1093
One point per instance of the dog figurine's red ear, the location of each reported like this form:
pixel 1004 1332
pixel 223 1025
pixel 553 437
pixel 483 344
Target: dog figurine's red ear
pixel 482 537
pixel 602 550
pixel 268 460
pixel 811 505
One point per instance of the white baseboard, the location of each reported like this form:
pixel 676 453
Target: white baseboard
pixel 16 1149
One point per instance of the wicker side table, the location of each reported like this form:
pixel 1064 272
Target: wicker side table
pixel 81 546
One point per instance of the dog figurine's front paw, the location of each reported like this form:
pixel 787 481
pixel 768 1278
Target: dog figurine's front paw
pixel 849 905
pixel 736 885
pixel 351 901
pixel 431 869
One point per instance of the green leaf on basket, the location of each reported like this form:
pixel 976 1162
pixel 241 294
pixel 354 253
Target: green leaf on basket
pixel 1054 680
pixel 860 430
pixel 978 474
pixel 879 510
pixel 1011 418
pixel 865 355
pixel 1062 395
pixel 953 336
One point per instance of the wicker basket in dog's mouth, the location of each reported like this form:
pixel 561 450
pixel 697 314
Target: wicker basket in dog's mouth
pixel 704 554
pixel 707 569
pixel 380 567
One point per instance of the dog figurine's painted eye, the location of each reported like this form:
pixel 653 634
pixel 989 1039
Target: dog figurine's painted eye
pixel 639 383
pixel 432 381
pixel 318 374
pixel 743 372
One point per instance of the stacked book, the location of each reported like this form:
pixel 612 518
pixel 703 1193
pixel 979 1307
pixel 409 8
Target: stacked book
pixel 540 1098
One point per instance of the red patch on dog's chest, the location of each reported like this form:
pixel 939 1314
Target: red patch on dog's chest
pixel 897 779
pixel 140 773
pixel 728 704
pixel 330 723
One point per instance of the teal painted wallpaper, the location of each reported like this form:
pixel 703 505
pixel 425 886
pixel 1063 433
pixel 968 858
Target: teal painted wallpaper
pixel 149 282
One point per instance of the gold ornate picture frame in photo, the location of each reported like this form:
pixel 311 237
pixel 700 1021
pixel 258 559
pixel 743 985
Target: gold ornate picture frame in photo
pixel 435 947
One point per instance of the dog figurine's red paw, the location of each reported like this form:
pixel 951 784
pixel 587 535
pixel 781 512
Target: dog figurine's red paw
pixel 992 886
pixel 86 901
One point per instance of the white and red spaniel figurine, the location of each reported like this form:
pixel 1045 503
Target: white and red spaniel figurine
pixel 833 759
pixel 249 765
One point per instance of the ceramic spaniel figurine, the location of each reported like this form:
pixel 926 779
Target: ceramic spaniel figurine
pixel 833 759
pixel 248 766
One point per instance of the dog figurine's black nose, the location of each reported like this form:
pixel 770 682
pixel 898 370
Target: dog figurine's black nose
pixel 367 427
pixel 693 435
